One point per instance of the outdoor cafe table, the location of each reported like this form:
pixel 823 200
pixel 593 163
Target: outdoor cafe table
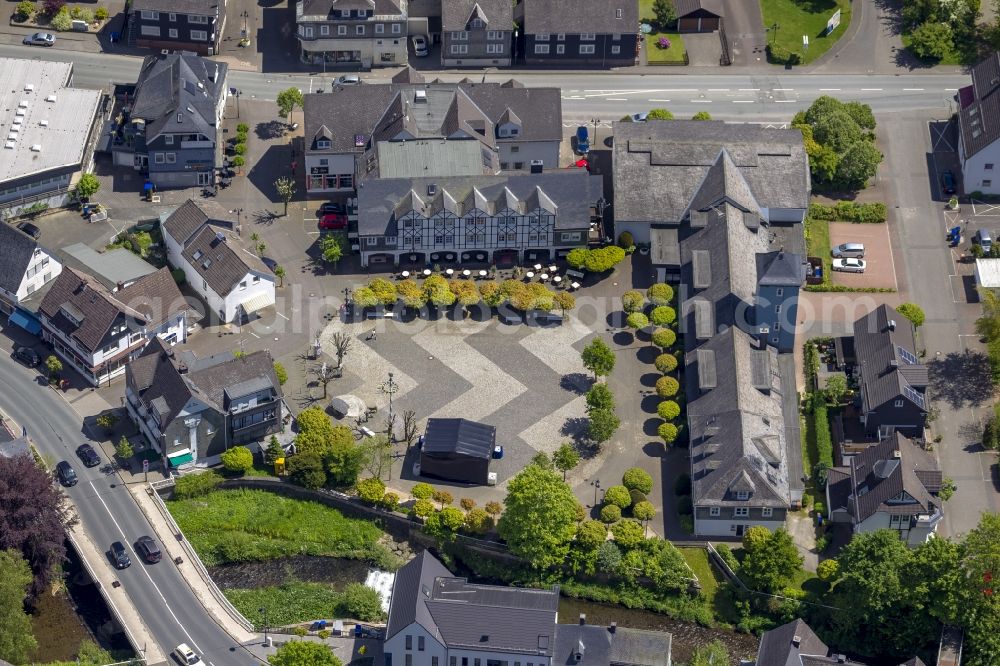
pixel 466 272
pixel 482 273
pixel 529 275
pixel 557 279
pixel 538 267
pixel 553 268
pixel 543 277
pixel 449 271
pixel 406 274
pixel 427 272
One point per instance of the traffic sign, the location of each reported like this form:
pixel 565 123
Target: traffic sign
pixel 834 21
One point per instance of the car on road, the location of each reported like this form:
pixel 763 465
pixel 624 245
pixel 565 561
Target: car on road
pixel 348 80
pixel 855 250
pixel 120 556
pixel 948 182
pixel 88 455
pixel 66 473
pixel 147 549
pixel 639 117
pixel 849 265
pixel 40 39
pixel 28 356
pixel 582 140
pixel 419 46
pixel 186 655
pixel 30 229
pixel 333 221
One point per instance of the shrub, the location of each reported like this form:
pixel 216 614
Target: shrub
pixel 478 521
pixel 666 363
pixel 727 555
pixel 667 432
pixel 300 631
pixel 84 14
pixel 422 491
pixel 913 312
pixel 62 21
pixel 628 533
pixel 390 501
pixel 307 470
pixel 664 338
pixel 850 211
pixel 240 149
pixel 611 513
pixel 667 387
pixel 625 240
pixel 237 459
pixel 24 10
pixel 660 294
pixel 821 429
pixel 619 496
pixel 324 633
pixel 636 478
pixel 827 570
pixel 423 508
pixel 242 127
pixel 193 485
pixel 53 7
pixel 668 410
pixel 360 602
pixel 682 486
pixel 101 13
pixel 778 54
pixel 371 490
pixel 633 301
pixel 684 505
pixel 663 315
pixel 280 373
pixel 636 496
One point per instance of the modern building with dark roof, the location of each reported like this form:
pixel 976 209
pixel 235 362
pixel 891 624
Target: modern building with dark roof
pixel 352 34
pixel 477 33
pixel 193 409
pixel 457 450
pixel 580 33
pixel 26 268
pixel 796 644
pixel 516 128
pixel 890 485
pixel 177 25
pixel 437 618
pixel 234 282
pixel 172 124
pixel 477 219
pixel 891 377
pixel 98 332
pixel 979 127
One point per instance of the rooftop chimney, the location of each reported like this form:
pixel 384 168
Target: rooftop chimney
pixel 892 324
pixel 613 628
pixel 796 640
pixel 583 619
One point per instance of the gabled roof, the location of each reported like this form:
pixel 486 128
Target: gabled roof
pixel 89 303
pixel 153 376
pixel 155 296
pixel 326 7
pixel 592 645
pixel 17 249
pixel 685 7
pixel 113 267
pixel 576 16
pixel 781 269
pixel 794 644
pixel 191 216
pixel 885 348
pixel 979 115
pixel 179 93
pixel 496 14
pixel 196 7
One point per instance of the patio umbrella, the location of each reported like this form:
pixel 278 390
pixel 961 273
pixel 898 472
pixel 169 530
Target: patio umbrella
pixel 347 406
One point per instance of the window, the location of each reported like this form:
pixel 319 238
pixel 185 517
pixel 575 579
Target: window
pixel 898 403
pixel 150 30
pixel 586 49
pixel 408 659
pixel 420 643
pixel 345 13
pixel 779 292
pixel 173 33
pixel 504 166
pixel 199 36
pixel 515 148
pixel 169 138
pixel 409 642
pixel 198 19
pixel 465 661
pixel 379 28
pixel 459 49
pixel 171 157
pixel 714 511
pixel 987 183
pixel 341 29
pixel 618 13
pixel 324 30
pixel 777 309
pixel 434 661
pixel 541 48
pixel 476 23
pixel 172 16
pixel 742 494
pixel 561 37
pixel 560 48
pixel 396 27
pixel 496 34
pixel 151 16
pixel 988 166
pixel 476 662
pixel 323 144
pixel 518 165
pixel 453 661
pixel 741 512
pixel 587 36
pixel 158 158
pixel 766 512
pixel 615 50
pixel 494 48
pixel 359 30
pixel 460 36
pixel 307 32
pixel 243 285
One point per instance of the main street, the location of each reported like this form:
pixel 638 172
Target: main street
pixel 774 95
pixel 108 513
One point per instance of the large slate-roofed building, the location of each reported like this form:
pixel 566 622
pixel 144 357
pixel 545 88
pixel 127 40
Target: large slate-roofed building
pixel 26 269
pixel 584 33
pixel 353 34
pixel 796 644
pixel 457 450
pixel 181 25
pixel 979 127
pixel 476 33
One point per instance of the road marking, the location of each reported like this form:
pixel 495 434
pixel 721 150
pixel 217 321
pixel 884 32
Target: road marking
pixel 282 316
pixel 743 101
pixel 143 569
pixel 657 100
pixel 871 90
pixel 785 101
pixel 829 89
pixel 749 89
pixel 615 99
pixel 701 101
pixel 913 89
pixel 718 90
pixel 951 89
pixel 784 89
pixel 254 335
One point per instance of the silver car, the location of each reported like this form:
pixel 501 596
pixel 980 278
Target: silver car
pixel 348 80
pixel 849 265
pixel 40 39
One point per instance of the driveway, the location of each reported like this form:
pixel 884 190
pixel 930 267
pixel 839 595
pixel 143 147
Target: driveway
pixel 704 49
pixel 880 270
pixel 744 27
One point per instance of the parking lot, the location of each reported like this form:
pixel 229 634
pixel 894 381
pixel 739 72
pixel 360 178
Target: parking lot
pixel 880 270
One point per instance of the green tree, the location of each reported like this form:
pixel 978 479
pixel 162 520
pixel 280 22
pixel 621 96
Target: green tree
pixel 644 511
pixel 659 114
pixel 931 41
pixel 466 293
pixel 287 100
pixel 710 654
pixel 62 21
pixel 565 458
pixel 376 455
pixel 913 312
pixel 543 460
pixel 636 478
pixel 603 425
pixel 384 291
pixel 633 301
pixel 837 130
pixel 769 564
pixel 438 292
pixel 423 508
pixel 609 557
pixel 666 363
pixel 273 452
pixel 54 367
pixel 828 570
pixel 662 315
pixel 343 460
pixel 87 186
pixel 371 490
pixel 664 338
pixel 491 293
pixel 668 410
pixel 237 459
pixel 980 611
pixel 667 387
pixel 444 524
pixel 667 432
pixel 590 534
pixel 862 114
pixel 364 298
pixel 577 257
pixel 17 643
pixel 331 247
pixel 702 115
pixel 360 602
pixel 665 15
pixel 836 389
pixel 280 373
pixel 565 301
pixel 238 161
pixel 598 358
pixel 286 190
pixel 494 509
pixel 619 496
pixel 660 294
pixel 411 294
pixel 603 259
pixel 124 449
pixel 637 321
pixel 540 519
pixel 422 490
pixel 477 521
pixel 303 653
pixel 306 470
pixel 600 397
pixel 611 513
pixel 628 533
pixel 857 165
pixel 443 498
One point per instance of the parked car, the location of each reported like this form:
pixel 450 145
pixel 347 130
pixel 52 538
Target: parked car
pixel 948 182
pixel 40 39
pixel 333 221
pixel 639 117
pixel 582 163
pixel 66 473
pixel 855 250
pixel 88 455
pixel 147 549
pixel 849 265
pixel 28 356
pixel 419 46
pixel 120 556
pixel 582 140
pixel 983 239
pixel 30 229
pixel 186 655
pixel 332 207
pixel 348 80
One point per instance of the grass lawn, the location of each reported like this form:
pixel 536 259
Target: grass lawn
pixel 796 18
pixel 953 57
pixel 249 525
pixel 818 244
pixel 676 53
pixel 296 602
pixel 697 559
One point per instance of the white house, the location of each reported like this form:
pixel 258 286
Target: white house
pixel 98 332
pixel 234 282
pixel 25 267
pixel 979 132
pixel 988 273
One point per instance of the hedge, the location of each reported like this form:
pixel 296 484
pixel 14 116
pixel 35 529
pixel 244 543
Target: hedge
pixel 844 288
pixel 821 428
pixel 850 211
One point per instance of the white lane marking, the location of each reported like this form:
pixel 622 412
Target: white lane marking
pixel 829 89
pixel 282 316
pixel 657 100
pixel 871 90
pixel 615 99
pixel 913 89
pixel 951 89
pixel 749 89
pixel 718 90
pixel 743 101
pixel 701 101
pixel 785 101
pixel 784 89
pixel 125 540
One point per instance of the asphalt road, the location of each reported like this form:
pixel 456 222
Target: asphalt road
pixel 108 513
pixel 774 95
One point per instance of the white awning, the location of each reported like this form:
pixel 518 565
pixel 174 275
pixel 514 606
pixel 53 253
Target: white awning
pixel 258 302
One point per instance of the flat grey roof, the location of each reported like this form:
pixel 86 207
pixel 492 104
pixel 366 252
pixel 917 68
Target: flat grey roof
pixel 112 267
pixel 58 128
pixel 429 157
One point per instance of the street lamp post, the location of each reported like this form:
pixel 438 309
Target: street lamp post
pixel 774 32
pixel 389 388
pixel 239 226
pixel 597 486
pixel 263 612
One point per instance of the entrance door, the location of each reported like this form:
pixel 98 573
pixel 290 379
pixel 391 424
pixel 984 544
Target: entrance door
pixel 739 530
pixel 204 178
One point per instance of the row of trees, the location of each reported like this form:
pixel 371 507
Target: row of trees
pixel 597 260
pixel 440 292
pixel 939 28
pixel 603 421
pixel 328 455
pixel 840 142
pixel 664 114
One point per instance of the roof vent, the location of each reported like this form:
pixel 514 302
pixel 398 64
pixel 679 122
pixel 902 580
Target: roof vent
pixel 796 640
pixel 18 120
pixel 43 123
pixel 28 87
pixel 419 96
pixel 613 628
pixel 892 324
pixel 36 148
pixel 180 118
pixel 432 189
pixel 23 104
pixel 189 109
pixel 51 98
pixel 10 145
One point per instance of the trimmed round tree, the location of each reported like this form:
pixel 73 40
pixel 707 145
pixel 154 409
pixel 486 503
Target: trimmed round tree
pixel 237 459
pixel 423 508
pixel 643 511
pixel 611 513
pixel 619 496
pixel 666 363
pixel 660 294
pixel 633 301
pixel 628 533
pixel 371 490
pixel 637 321
pixel 591 534
pixel 667 432
pixel 636 478
pixel 668 410
pixel 664 338
pixel 667 387
pixel 422 491
pixel 663 315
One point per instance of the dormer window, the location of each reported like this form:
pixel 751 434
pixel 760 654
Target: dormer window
pixel 743 495
pixel 323 144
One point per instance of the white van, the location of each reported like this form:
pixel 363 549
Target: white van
pixel 186 655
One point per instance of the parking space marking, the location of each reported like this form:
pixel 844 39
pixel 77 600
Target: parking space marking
pixel 983 209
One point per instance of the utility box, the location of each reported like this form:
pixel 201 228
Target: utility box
pixel 80 26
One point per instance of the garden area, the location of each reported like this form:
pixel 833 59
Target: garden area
pixel 57 15
pixel 664 46
pixel 817 231
pixel 944 33
pixel 296 602
pixel 795 18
